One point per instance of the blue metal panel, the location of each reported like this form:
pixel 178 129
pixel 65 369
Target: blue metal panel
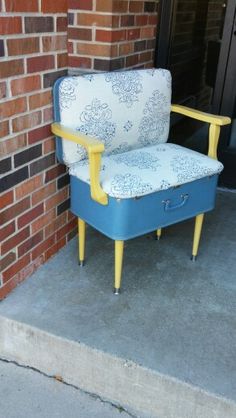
pixel 57 117
pixel 123 219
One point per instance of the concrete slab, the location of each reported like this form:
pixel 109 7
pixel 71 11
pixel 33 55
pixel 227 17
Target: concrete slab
pixel 27 394
pixel 172 328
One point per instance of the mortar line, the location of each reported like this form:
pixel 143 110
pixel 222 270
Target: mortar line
pixel 60 380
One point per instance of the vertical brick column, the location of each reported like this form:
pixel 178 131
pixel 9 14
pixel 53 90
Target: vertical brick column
pixel 34 217
pixel 106 35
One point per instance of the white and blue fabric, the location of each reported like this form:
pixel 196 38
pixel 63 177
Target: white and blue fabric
pixel 125 110
pixel 147 170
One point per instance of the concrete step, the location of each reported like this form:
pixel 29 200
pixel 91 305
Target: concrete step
pixel 165 347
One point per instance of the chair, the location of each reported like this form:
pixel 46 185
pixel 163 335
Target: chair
pixel 126 180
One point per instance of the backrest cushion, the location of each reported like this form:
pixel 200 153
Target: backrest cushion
pixel 124 109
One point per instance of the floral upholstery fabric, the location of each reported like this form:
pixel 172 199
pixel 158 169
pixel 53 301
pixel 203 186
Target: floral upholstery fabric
pixel 124 109
pixel 142 171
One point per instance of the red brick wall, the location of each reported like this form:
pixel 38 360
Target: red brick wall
pixel 103 35
pixel 109 35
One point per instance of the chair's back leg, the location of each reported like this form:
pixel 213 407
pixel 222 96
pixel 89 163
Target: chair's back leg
pixel 158 234
pixel 81 236
pixel 197 235
pixel 119 249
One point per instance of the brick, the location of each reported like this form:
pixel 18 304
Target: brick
pixel 127 20
pixel 94 19
pixel 55 248
pixel 40 99
pixel 63 207
pixel 54 43
pixel 120 6
pixel 27 121
pixel 145 56
pixel 40 133
pixel 54 172
pixel 58 198
pixel 126 49
pixel 12 242
pixel 42 164
pixel 141 20
pixel 42 221
pixel 19 265
pixel 7 260
pixel 10 68
pixel 71 19
pixel 140 46
pixel 136 6
pixel 94 49
pixel 28 186
pixel 5 165
pixel 153 19
pixel 133 34
pixel 23 46
pixel 72 234
pixel 147 32
pixel 4 129
pixel 149 6
pixel 39 24
pixel 109 65
pixel 13 144
pixel 49 146
pixel 50 78
pixel 131 60
pixel 15 210
pixel 2 49
pixel 6 199
pixel 21 6
pixel 48 115
pixel 30 243
pixel 62 60
pixel 29 216
pixel 80 4
pixel 25 84
pixel 7 230
pixel 52 6
pixel 62 23
pixel 80 34
pixel 10 25
pixel 63 181
pixel 43 193
pixel 79 62
pixel 66 229
pixel 3 90
pixel 12 179
pixel 29 154
pixel 55 225
pixel 151 44
pixel 110 36
pixel 40 63
pixel 13 107
pixel 44 246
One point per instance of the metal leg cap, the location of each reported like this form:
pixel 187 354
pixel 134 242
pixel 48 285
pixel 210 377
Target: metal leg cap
pixel 81 263
pixel 194 258
pixel 116 291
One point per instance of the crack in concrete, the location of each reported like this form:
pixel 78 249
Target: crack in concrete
pixel 60 379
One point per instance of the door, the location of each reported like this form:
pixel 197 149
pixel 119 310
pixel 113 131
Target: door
pixel 197 42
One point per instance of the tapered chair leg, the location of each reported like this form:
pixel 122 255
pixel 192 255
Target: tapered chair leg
pixel 197 235
pixel 119 249
pixel 81 237
pixel 158 234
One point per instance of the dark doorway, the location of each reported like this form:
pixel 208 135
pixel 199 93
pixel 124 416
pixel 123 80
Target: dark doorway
pixel 197 42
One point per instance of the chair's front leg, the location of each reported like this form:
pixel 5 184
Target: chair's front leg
pixel 197 235
pixel 81 236
pixel 119 249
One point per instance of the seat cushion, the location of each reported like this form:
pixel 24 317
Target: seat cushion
pixel 124 109
pixel 147 170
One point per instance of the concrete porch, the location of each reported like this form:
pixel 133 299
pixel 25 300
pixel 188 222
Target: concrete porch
pixel 166 347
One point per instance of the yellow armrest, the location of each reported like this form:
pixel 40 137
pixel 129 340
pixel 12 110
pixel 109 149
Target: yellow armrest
pixel 94 148
pixel 202 116
pixel 215 122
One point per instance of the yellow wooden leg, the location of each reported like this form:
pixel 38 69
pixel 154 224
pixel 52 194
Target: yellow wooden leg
pixel 81 236
pixel 119 249
pixel 197 235
pixel 158 234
